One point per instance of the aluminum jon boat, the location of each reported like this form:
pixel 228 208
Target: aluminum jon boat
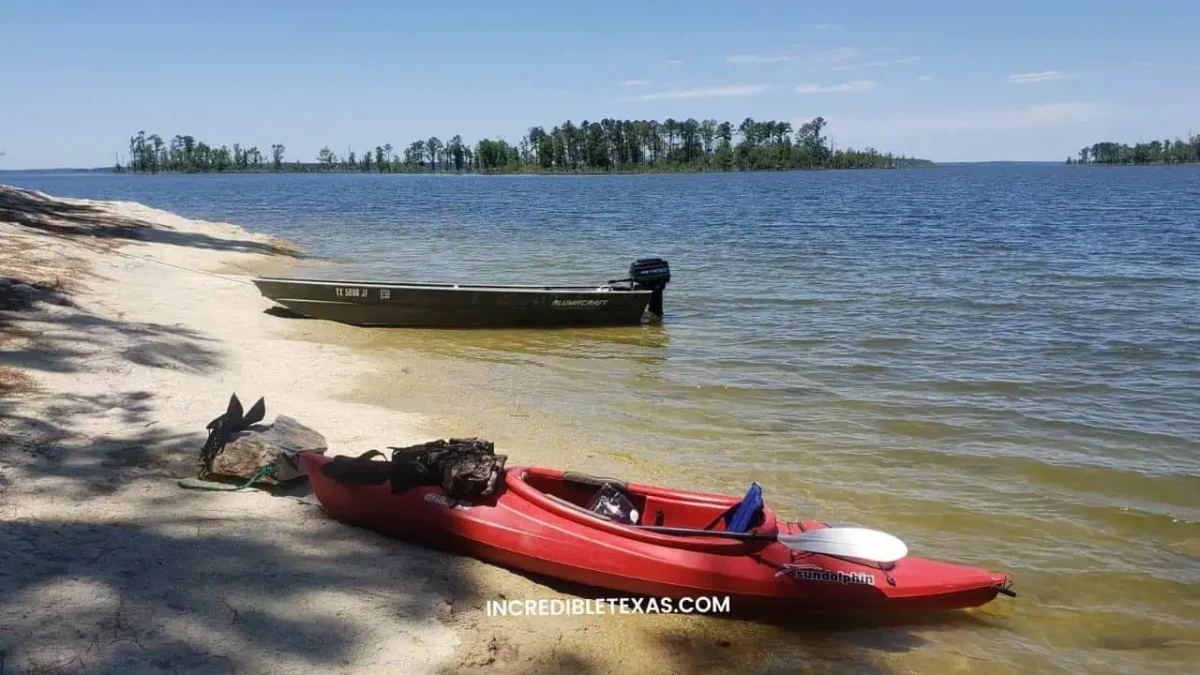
pixel 538 523
pixel 374 303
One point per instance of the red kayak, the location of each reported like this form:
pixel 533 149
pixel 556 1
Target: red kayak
pixel 539 524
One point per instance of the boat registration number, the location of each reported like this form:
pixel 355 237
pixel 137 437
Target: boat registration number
pixel 361 293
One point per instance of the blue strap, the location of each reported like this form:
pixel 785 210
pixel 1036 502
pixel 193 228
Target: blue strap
pixel 750 507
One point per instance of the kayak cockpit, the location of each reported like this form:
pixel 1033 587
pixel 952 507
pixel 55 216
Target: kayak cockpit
pixel 568 495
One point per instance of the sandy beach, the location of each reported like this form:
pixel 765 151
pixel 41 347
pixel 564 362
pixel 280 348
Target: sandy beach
pixel 144 325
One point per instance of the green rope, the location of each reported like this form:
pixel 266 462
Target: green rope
pixel 196 484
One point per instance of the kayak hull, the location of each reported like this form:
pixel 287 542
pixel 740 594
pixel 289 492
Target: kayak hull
pixel 537 526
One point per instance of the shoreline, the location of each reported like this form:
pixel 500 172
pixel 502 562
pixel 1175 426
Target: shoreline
pixel 116 567
pixel 664 172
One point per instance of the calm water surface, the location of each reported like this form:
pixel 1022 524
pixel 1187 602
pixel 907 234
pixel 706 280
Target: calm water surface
pixel 1000 363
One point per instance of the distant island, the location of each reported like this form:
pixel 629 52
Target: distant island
pixel 1154 152
pixel 607 146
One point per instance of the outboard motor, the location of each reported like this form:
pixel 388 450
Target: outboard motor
pixel 652 274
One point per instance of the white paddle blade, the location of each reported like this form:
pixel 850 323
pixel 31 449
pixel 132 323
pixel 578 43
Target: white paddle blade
pixel 848 542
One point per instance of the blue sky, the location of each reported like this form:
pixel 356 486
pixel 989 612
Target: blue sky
pixel 945 80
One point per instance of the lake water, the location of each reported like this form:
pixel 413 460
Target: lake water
pixel 999 363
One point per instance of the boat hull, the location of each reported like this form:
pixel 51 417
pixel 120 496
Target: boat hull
pixel 433 305
pixel 523 529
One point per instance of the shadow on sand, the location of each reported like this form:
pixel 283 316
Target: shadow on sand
pixel 200 594
pixel 73 341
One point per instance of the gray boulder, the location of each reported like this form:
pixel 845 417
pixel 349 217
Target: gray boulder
pixel 262 444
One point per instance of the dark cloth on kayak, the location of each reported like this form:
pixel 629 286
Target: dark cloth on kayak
pixel 361 470
pixel 465 468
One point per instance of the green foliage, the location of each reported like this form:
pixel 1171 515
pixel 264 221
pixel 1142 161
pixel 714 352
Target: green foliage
pixel 458 152
pixel 631 146
pixel 496 156
pixel 326 159
pixel 150 154
pixel 1154 152
pixel 433 148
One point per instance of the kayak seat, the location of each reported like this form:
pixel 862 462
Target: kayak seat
pixel 676 512
pixel 744 515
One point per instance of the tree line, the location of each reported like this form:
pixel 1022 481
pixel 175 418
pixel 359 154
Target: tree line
pixel 1166 151
pixel 589 147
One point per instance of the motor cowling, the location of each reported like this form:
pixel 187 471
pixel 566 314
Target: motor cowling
pixel 652 274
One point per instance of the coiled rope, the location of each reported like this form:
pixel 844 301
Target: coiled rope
pixel 197 484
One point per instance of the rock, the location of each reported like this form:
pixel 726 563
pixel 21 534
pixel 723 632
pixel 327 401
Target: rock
pixel 278 443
